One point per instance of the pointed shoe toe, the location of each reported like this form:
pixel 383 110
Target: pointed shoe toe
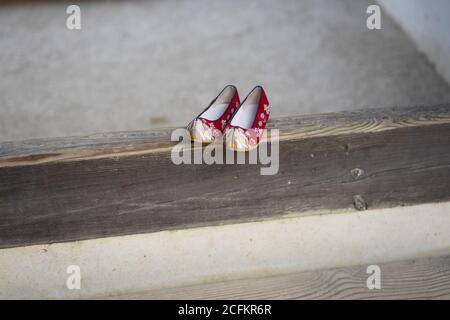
pixel 210 124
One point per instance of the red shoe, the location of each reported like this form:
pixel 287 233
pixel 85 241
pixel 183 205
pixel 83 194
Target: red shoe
pixel 211 122
pixel 246 128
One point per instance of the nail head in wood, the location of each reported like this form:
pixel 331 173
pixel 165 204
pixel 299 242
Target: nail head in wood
pixel 359 203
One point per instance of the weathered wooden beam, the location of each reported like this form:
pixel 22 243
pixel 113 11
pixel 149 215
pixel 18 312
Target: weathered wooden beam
pixel 54 190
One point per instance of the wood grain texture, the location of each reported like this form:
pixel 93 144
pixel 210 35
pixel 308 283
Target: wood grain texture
pixel 122 144
pixel 116 184
pixel 415 279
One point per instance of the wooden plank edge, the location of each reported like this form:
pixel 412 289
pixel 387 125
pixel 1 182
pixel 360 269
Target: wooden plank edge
pixel 125 144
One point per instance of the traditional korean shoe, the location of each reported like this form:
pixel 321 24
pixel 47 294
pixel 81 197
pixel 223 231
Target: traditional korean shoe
pixel 211 122
pixel 246 127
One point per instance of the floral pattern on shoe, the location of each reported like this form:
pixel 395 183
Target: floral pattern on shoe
pixel 204 131
pixel 239 139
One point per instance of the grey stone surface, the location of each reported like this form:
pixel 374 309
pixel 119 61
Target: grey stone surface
pixel 145 64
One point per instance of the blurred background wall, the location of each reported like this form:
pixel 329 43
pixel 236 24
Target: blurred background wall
pixel 428 24
pixel 146 64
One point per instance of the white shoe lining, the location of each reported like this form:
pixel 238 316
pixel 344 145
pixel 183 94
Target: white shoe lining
pixel 215 112
pixel 245 116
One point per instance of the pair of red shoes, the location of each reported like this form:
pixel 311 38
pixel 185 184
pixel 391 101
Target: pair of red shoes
pixel 242 123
